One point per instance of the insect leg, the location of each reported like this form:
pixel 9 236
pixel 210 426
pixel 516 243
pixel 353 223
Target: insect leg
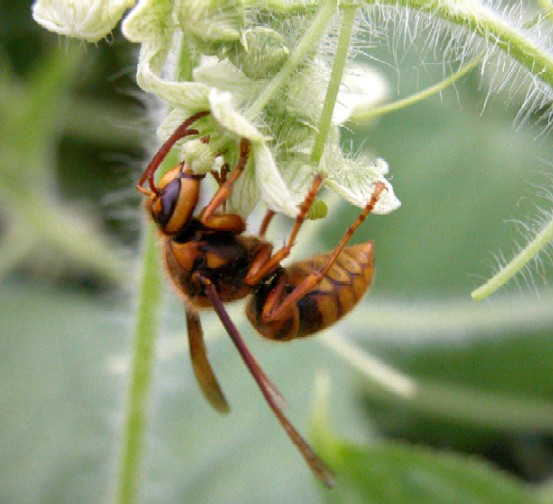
pixel 265 223
pixel 249 359
pixel 269 391
pixel 202 369
pixel 314 278
pixel 261 269
pixel 160 155
pixel 206 217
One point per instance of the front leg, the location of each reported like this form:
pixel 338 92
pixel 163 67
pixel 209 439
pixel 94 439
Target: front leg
pixel 182 131
pixel 226 222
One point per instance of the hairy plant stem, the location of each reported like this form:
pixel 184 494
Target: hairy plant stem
pixel 136 413
pixel 424 94
pixel 542 239
pixel 490 26
pixel 334 84
pixel 449 401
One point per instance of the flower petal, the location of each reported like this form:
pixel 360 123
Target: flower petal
pixel 90 20
pixel 274 191
pixel 148 21
pixel 226 114
pixel 361 90
pixel 355 181
pixel 191 96
pixel 245 193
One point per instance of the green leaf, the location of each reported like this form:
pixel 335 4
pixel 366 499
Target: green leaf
pixel 395 473
pixel 391 473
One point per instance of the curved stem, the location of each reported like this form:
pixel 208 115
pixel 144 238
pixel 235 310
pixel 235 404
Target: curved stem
pixel 542 239
pixel 422 95
pixel 484 21
pixel 136 414
pixel 453 402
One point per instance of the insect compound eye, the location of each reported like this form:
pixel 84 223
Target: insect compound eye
pixel 178 194
pixel 163 207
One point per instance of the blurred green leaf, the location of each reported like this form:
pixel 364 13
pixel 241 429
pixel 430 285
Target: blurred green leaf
pixel 393 474
pixel 34 115
pixel 58 397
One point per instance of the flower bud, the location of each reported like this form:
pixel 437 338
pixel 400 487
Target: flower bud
pixel 199 156
pixel 318 210
pixel 211 23
pixel 260 53
pixel 90 20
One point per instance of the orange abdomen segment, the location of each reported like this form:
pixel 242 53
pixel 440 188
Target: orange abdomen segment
pixel 340 290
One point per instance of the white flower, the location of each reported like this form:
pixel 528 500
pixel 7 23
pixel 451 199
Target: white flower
pixel 190 95
pixel 279 170
pixel 90 20
pixel 361 90
pixel 355 179
pixel 269 184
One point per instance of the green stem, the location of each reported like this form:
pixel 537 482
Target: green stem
pixel 448 401
pixel 490 26
pixel 443 322
pixel 16 244
pixel 296 58
pixel 136 414
pixel 422 95
pixel 542 239
pixel 334 84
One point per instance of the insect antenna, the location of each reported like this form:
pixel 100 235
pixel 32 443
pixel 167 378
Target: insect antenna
pixel 160 155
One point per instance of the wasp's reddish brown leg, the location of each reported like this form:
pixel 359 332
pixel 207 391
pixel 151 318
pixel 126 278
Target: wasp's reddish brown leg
pixel 160 155
pixel 202 369
pixel 260 268
pixel 249 359
pixel 315 278
pixel 207 216
pixel 265 223
pixel 318 467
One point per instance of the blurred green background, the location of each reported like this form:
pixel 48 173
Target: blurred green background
pixel 75 132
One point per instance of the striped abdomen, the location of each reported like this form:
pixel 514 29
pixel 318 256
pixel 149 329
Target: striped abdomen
pixel 339 291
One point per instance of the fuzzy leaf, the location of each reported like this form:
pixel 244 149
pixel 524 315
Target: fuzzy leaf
pixel 225 76
pixel 392 473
